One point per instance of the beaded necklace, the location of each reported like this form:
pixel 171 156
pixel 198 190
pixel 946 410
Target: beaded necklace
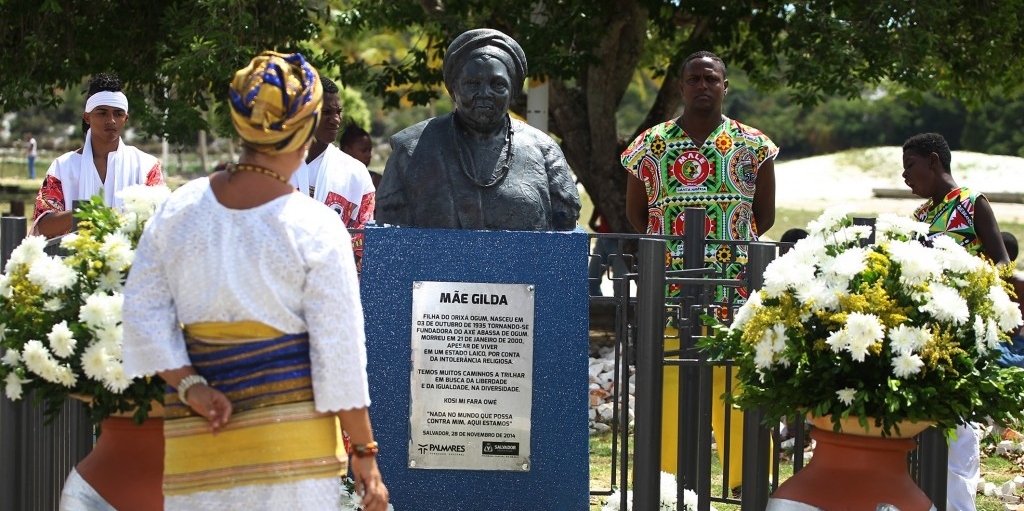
pixel 502 172
pixel 245 167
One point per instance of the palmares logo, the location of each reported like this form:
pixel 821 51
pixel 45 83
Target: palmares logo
pixel 442 448
pixel 501 448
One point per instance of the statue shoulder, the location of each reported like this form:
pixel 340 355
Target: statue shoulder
pixel 429 130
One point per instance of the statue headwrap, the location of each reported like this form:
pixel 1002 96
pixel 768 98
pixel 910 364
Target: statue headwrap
pixel 275 102
pixel 490 42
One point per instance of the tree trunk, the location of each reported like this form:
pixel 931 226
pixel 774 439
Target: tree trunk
pixel 583 114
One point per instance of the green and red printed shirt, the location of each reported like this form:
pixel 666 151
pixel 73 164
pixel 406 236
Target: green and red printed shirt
pixel 953 217
pixel 718 175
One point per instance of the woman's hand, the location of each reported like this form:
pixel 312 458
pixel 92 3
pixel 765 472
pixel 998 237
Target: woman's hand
pixel 212 404
pixel 369 484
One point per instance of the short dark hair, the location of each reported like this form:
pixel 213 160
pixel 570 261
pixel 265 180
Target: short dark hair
pixel 351 133
pixel 1010 242
pixel 924 144
pixel 793 235
pixel 329 86
pixel 702 54
pixel 104 82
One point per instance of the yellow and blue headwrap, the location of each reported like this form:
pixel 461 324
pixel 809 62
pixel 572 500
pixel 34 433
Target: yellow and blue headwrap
pixel 275 102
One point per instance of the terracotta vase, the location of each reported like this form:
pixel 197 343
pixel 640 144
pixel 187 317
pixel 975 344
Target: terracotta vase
pixel 855 472
pixel 126 464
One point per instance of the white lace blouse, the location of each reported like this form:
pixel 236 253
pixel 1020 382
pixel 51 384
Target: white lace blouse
pixel 287 263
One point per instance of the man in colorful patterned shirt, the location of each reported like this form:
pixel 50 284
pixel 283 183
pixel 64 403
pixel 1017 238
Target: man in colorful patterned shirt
pixel 967 217
pixel 702 159
pixel 103 165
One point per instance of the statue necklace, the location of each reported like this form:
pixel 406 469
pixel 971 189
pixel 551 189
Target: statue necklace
pixel 497 177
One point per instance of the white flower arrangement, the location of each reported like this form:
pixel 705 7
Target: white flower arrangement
pixel 61 328
pixel 894 330
pixel 667 502
pixel 350 499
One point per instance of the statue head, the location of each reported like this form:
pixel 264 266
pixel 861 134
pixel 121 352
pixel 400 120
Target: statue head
pixel 484 70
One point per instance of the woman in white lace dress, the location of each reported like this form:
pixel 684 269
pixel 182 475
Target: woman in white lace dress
pixel 272 352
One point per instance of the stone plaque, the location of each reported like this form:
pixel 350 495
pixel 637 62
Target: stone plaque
pixel 472 376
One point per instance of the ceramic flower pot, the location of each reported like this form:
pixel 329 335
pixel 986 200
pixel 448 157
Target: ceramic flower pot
pixel 853 472
pixel 126 464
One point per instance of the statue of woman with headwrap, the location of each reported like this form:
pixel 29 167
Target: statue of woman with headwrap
pixel 477 168
pixel 244 298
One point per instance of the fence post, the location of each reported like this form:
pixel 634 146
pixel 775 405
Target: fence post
pixel 12 231
pixel 932 463
pixel 693 457
pixel 757 439
pixel 650 314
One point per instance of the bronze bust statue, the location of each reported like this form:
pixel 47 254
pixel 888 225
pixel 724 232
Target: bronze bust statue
pixel 477 168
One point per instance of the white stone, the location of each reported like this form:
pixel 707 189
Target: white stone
pixel 601 427
pixel 1019 480
pixel 1008 488
pixel 989 490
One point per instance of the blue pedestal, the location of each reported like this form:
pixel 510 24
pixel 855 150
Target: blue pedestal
pixel 556 264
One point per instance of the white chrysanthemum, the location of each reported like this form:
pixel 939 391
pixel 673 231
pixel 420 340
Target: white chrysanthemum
pixel 831 219
pixel 39 360
pixel 906 364
pixel 837 340
pixel 116 381
pixel 690 500
pixel 110 337
pixel 117 251
pixel 806 252
pixel 110 282
pixel 66 376
pixel 978 325
pixel 95 362
pixel 846 395
pixel 6 291
pixel 62 340
pixel 51 274
pixel 851 235
pixel 11 358
pixel 954 257
pixel 746 311
pixel 945 304
pixel 863 331
pixel 779 278
pixel 847 264
pixel 12 386
pixel 1007 313
pixel 26 253
pixel 142 200
pixel 668 489
pixel 101 310
pixel 908 339
pixel 917 263
pixel 991 334
pixel 891 226
pixel 68 239
pixel 53 305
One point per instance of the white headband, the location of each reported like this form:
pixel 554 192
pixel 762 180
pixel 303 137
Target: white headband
pixel 107 98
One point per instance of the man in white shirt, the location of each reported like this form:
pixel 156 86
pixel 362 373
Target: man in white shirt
pixel 335 178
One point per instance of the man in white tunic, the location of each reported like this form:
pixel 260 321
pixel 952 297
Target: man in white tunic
pixel 272 351
pixel 335 178
pixel 104 164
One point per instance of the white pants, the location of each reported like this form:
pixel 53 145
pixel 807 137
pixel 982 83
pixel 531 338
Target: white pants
pixel 964 469
pixel 79 495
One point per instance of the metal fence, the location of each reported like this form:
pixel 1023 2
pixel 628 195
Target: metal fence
pixel 36 457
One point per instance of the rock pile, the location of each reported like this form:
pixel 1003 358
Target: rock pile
pixel 602 391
